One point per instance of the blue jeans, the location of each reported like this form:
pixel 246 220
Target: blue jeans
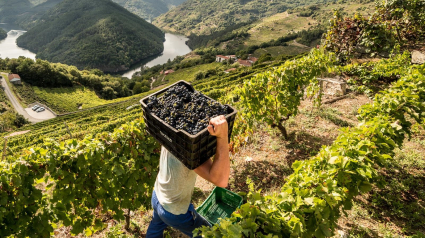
pixel 161 219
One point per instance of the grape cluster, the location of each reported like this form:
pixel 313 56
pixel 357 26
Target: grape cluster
pixel 185 110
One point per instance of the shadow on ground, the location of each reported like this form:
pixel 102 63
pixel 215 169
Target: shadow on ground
pixel 265 175
pixel 303 145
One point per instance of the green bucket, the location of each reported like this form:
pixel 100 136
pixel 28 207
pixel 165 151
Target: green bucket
pixel 220 204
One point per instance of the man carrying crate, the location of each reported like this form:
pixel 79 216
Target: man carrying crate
pixel 175 183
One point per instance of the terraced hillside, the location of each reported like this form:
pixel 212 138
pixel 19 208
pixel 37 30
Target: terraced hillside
pixel 204 17
pixel 108 117
pixel 303 26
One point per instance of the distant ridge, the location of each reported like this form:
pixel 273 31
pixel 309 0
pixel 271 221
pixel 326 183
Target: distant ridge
pixel 149 9
pixel 29 18
pixel 10 10
pixel 93 34
pixel 203 17
pixel 26 13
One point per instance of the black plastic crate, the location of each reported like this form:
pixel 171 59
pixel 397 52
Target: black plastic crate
pixel 191 150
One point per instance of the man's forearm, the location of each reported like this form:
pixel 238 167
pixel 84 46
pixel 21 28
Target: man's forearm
pixel 217 171
pixel 220 169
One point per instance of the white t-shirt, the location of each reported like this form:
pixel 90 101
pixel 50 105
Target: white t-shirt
pixel 174 184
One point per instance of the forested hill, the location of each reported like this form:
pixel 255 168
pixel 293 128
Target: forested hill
pixel 96 34
pixel 10 10
pixel 3 34
pixel 203 17
pixel 149 9
pixel 28 18
pixel 26 13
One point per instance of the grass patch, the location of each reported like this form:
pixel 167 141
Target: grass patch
pixel 5 104
pixel 276 26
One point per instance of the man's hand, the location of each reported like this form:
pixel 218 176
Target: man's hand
pixel 218 127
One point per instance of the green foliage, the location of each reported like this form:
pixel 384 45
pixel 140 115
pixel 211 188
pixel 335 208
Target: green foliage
pixel 97 34
pixel 45 74
pixel 141 87
pixel 264 58
pixel 394 22
pixel 33 12
pixel 9 119
pixel 314 196
pixel 368 77
pixel 3 34
pixel 10 10
pixel 274 96
pixel 110 173
pixel 6 105
pixel 114 172
pixel 20 120
pixel 21 201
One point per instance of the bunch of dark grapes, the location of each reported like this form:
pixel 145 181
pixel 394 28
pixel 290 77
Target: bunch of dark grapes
pixel 185 110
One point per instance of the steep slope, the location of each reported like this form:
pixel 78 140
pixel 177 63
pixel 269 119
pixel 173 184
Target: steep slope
pixel 203 17
pixel 293 21
pixel 26 13
pixel 30 17
pixel 149 9
pixel 95 34
pixel 146 9
pixel 11 10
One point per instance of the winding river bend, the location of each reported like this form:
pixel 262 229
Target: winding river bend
pixel 8 47
pixel 174 46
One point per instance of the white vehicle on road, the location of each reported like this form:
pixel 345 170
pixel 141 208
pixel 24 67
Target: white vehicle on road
pixel 40 109
pixel 35 107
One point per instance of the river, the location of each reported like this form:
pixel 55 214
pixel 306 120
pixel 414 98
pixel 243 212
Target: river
pixel 174 46
pixel 8 47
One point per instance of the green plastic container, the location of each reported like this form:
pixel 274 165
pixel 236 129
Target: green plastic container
pixel 220 204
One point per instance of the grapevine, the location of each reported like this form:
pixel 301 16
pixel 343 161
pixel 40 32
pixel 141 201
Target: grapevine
pixel 275 95
pixel 313 197
pixel 113 172
pixel 394 22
